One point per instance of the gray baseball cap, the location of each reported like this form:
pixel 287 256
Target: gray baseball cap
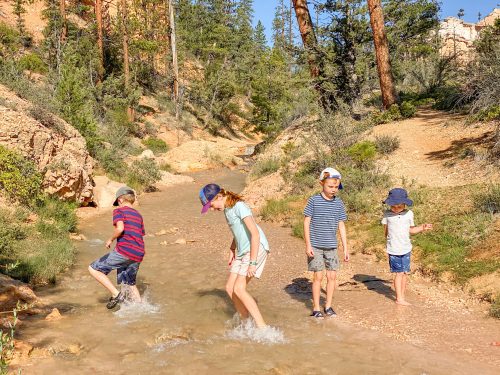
pixel 122 191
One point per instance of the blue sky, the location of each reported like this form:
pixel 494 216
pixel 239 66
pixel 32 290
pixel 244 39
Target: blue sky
pixel 264 10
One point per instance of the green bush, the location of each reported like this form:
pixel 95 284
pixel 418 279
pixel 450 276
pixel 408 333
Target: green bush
pixel 158 146
pixel 407 109
pixel 363 152
pixel 19 177
pixel 359 201
pixel 143 174
pixel 495 308
pixel 489 201
pixel 11 231
pixel 32 62
pixel 298 229
pixel 56 218
pixel 264 167
pixel 9 36
pixel 488 114
pixel 275 210
pixel 387 144
pixel 392 114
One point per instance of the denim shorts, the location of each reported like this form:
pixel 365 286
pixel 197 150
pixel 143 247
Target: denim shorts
pixel 400 263
pixel 323 259
pixel 126 269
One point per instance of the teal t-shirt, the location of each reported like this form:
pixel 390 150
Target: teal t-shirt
pixel 234 217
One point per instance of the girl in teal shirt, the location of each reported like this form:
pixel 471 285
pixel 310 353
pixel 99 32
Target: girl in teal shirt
pixel 248 250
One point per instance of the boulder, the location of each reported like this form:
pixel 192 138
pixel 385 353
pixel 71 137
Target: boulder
pixel 105 190
pixel 58 150
pixel 14 291
pixel 147 154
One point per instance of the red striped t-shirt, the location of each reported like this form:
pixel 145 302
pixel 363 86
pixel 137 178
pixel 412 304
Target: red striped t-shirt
pixel 130 243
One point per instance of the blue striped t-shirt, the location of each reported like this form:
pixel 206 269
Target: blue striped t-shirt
pixel 325 217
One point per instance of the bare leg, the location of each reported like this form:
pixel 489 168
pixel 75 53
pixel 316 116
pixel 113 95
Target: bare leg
pixel 316 289
pixel 238 305
pixel 331 277
pixel 240 289
pixel 103 279
pixel 398 286
pixel 133 293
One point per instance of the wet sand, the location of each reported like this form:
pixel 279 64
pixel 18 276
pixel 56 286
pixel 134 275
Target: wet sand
pixel 186 325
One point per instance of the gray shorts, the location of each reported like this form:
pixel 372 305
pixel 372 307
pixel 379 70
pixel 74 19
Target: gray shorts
pixel 323 259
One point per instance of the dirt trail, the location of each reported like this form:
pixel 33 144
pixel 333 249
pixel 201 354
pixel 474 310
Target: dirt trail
pixel 437 149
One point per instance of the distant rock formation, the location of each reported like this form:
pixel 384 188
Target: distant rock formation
pixel 58 150
pixel 458 36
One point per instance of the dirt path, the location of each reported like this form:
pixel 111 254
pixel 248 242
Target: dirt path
pixel 438 149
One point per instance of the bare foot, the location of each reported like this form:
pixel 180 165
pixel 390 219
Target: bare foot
pixel 403 303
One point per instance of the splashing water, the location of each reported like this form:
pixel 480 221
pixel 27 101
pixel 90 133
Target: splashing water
pixel 95 242
pixel 247 330
pixel 132 311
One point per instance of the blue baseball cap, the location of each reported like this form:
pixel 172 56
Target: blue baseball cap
pixel 398 196
pixel 207 194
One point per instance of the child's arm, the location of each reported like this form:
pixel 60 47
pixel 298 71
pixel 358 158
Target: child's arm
pixel 307 236
pixel 420 228
pixel 386 231
pixel 343 238
pixel 254 243
pixel 232 249
pixel 119 227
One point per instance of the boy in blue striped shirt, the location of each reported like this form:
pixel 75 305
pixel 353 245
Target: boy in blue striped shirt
pixel 324 215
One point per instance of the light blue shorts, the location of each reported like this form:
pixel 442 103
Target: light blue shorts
pixel 400 263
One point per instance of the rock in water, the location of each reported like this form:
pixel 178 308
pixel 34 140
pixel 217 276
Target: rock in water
pixel 54 315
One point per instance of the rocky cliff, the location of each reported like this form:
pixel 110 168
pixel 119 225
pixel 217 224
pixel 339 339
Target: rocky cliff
pixel 58 149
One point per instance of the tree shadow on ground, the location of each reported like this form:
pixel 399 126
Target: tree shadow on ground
pixel 461 148
pixel 380 286
pixel 301 289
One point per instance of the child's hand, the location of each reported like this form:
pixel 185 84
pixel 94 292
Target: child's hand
pixel 309 251
pixel 251 271
pixel 426 227
pixel 346 257
pixel 231 257
pixel 109 243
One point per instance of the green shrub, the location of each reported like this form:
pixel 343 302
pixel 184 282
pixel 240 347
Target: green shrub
pixel 111 160
pixel 56 218
pixel 407 109
pixel 363 152
pixel 46 119
pixel 275 210
pixel 489 201
pixel 143 174
pixel 359 201
pixel 11 230
pixel 298 229
pixel 9 36
pixel 391 114
pixel 32 62
pixel 495 308
pixel 158 146
pixel 19 177
pixel 387 144
pixel 488 114
pixel 166 167
pixel 264 167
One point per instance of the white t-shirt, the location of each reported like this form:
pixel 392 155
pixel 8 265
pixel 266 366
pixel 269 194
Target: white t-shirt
pixel 398 231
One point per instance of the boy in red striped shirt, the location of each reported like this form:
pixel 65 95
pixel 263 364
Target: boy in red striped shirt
pixel 128 252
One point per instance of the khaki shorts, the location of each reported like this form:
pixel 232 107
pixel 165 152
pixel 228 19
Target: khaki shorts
pixel 323 259
pixel 240 264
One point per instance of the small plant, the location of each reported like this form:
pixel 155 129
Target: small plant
pixel 264 167
pixel 46 119
pixel 143 174
pixel 19 178
pixel 7 343
pixel 275 210
pixel 363 152
pixel 32 62
pixel 392 114
pixel 495 308
pixel 489 201
pixel 407 109
pixel 158 146
pixel 387 144
pixel 166 167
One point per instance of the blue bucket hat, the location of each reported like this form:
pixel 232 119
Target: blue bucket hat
pixel 398 196
pixel 207 194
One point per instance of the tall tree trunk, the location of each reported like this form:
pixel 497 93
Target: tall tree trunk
pixel 100 42
pixel 307 34
pixel 326 97
pixel 126 68
pixel 62 9
pixel 387 88
pixel 175 66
